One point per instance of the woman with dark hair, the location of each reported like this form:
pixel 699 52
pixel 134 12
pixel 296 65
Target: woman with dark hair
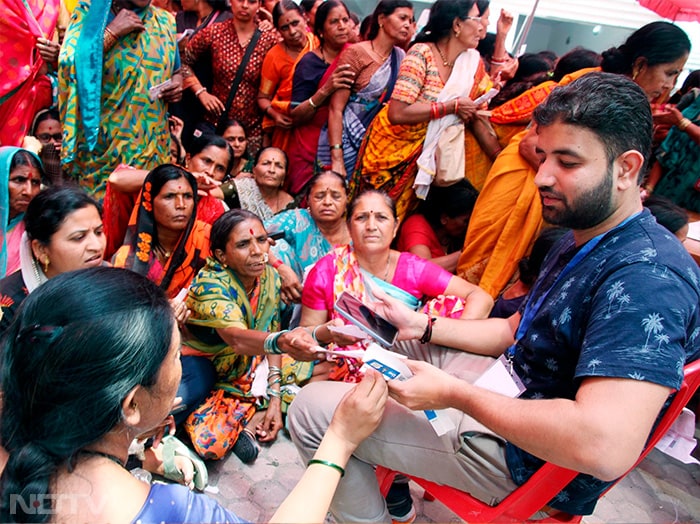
pixel 436 230
pixel 234 133
pixel 164 240
pixel 653 56
pixel 21 174
pixel 275 95
pixel 227 43
pixel 46 127
pixel 235 317
pixel 375 67
pixel 63 233
pixel 262 193
pixel 316 77
pixel 369 262
pixel 310 8
pixel 309 233
pixel 208 159
pixel 438 80
pixel 112 332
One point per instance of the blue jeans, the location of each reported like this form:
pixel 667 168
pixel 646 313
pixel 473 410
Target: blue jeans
pixel 198 378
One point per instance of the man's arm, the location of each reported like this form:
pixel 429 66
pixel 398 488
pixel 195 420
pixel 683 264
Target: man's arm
pixel 601 432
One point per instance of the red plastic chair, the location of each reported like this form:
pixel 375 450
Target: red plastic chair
pixel 534 494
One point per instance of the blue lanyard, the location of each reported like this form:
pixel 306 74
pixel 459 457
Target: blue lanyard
pixel 532 308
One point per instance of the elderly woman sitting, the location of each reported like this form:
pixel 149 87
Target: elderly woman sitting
pixel 235 320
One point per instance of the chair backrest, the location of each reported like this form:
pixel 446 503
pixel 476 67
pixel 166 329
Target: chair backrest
pixel 549 480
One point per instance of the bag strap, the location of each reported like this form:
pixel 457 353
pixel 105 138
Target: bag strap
pixel 239 75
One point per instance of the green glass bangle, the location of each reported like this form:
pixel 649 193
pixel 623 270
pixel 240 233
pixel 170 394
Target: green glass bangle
pixel 327 463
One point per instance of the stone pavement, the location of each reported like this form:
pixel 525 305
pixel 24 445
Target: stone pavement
pixel 661 490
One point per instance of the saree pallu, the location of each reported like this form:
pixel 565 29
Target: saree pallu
pixel 387 161
pixel 505 222
pixel 359 112
pixel 218 299
pixel 276 79
pixel 132 129
pixel 23 89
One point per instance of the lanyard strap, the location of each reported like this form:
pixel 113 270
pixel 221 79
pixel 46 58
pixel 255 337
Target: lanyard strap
pixel 532 306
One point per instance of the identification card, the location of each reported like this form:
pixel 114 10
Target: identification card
pixel 501 378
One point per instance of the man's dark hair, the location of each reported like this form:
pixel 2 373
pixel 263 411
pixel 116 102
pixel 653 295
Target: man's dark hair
pixel 611 106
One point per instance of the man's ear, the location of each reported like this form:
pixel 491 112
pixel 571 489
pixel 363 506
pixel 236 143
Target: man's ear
pixel 130 407
pixel 629 164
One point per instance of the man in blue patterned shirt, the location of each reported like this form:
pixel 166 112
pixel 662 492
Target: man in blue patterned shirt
pixel 598 346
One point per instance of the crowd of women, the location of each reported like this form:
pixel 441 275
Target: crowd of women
pixel 253 162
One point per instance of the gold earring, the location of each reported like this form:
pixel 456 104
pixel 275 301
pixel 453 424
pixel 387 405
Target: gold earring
pixel 46 264
pixel 634 75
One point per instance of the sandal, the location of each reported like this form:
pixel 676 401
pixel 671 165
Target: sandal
pixel 246 447
pixel 173 447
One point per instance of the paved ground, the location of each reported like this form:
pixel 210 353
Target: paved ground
pixel 661 490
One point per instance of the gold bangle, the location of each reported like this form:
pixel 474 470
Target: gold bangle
pixel 337 146
pixel 684 123
pixel 200 91
pixel 311 102
pixel 109 39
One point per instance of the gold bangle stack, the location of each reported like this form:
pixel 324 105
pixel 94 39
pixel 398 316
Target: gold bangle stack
pixel 109 39
pixel 684 123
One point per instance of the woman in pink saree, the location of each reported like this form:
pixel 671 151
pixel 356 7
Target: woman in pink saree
pixel 24 86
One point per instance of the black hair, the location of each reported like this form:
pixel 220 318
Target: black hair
pixel 43 115
pixel 656 43
pixel 611 106
pixel 529 65
pixel 691 81
pixel 24 158
pixel 668 214
pixel 226 223
pixel 453 201
pixel 76 348
pixel 322 15
pixel 307 5
pixel 51 207
pixel 317 176
pixel 282 7
pixel 387 200
pixel 218 5
pixel 384 7
pixel 164 173
pixel 442 16
pixel 576 59
pixel 530 266
pixel 201 142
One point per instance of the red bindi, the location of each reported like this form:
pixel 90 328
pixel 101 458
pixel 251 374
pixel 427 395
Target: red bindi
pixel 251 232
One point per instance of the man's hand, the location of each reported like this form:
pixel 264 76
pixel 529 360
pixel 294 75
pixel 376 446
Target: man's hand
pixel 428 388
